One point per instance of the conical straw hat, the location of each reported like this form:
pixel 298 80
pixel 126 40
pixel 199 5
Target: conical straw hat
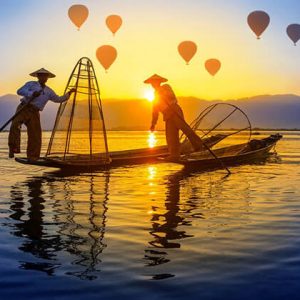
pixel 155 77
pixel 42 71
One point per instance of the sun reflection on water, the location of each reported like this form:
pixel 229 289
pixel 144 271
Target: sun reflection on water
pixel 152 172
pixel 152 141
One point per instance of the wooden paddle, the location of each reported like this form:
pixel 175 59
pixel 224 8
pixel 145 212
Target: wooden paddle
pixel 19 111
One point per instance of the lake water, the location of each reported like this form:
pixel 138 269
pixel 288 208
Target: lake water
pixel 151 231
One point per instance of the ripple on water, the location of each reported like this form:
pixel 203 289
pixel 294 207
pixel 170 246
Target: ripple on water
pixel 152 231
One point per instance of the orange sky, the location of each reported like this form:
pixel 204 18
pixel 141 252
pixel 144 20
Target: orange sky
pixel 40 34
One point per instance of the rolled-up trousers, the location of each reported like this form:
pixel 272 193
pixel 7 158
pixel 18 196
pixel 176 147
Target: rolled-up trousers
pixel 174 119
pixel 29 116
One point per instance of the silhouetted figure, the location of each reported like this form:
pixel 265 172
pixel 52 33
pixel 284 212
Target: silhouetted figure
pixel 166 103
pixel 35 96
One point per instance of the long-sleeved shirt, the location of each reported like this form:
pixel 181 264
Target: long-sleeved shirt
pixel 164 102
pixel 39 102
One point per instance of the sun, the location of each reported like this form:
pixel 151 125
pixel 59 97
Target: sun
pixel 149 95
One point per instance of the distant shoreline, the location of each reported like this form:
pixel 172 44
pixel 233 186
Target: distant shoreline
pixel 161 130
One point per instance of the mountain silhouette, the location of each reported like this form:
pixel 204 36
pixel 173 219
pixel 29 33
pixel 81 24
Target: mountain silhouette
pixel 265 111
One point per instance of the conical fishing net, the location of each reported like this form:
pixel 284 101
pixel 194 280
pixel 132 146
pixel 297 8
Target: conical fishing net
pixel 79 135
pixel 228 124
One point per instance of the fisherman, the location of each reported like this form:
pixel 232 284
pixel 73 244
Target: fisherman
pixel 35 96
pixel 166 103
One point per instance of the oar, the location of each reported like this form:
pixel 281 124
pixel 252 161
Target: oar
pixel 18 112
pixel 216 157
pixel 204 144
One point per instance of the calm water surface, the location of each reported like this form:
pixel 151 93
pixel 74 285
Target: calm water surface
pixel 151 231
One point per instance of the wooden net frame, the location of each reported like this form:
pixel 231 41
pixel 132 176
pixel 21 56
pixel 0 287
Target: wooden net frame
pixel 79 134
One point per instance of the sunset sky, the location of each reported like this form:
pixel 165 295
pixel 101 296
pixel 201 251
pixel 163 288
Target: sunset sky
pixel 35 34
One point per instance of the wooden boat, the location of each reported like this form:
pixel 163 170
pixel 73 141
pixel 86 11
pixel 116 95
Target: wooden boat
pixel 231 155
pixel 79 140
pixel 254 151
pixel 117 158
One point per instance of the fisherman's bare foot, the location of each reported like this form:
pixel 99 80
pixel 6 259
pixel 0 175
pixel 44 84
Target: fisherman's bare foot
pixel 12 152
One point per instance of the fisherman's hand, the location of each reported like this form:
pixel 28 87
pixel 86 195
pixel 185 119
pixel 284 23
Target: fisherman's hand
pixel 72 90
pixel 36 94
pixel 152 128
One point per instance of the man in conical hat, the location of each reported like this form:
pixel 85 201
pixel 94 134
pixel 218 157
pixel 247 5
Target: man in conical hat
pixel 166 103
pixel 35 96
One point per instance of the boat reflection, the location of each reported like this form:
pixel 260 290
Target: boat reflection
pixel 165 225
pixel 30 226
pixel 61 219
pixel 189 198
pixel 72 223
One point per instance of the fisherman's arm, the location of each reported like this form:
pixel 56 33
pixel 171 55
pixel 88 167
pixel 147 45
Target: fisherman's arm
pixel 155 113
pixel 28 90
pixel 59 99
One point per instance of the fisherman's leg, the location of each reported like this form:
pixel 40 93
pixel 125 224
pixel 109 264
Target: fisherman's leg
pixel 188 131
pixel 172 136
pixel 34 132
pixel 14 137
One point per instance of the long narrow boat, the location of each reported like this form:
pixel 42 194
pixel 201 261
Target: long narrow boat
pixel 254 151
pixel 79 138
pixel 203 160
pixel 117 158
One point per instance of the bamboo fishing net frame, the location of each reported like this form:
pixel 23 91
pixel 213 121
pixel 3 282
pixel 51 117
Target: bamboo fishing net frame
pixel 86 85
pixel 227 112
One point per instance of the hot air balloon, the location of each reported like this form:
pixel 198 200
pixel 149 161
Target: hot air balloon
pixel 78 14
pixel 293 31
pixel 187 50
pixel 106 55
pixel 258 21
pixel 113 23
pixel 212 66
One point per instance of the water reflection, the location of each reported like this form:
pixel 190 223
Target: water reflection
pixel 30 226
pixel 72 218
pixel 190 200
pixel 165 222
pixel 61 219
pixel 164 225
pixel 152 140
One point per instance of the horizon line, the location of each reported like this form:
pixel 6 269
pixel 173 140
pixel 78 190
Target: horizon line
pixel 181 96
